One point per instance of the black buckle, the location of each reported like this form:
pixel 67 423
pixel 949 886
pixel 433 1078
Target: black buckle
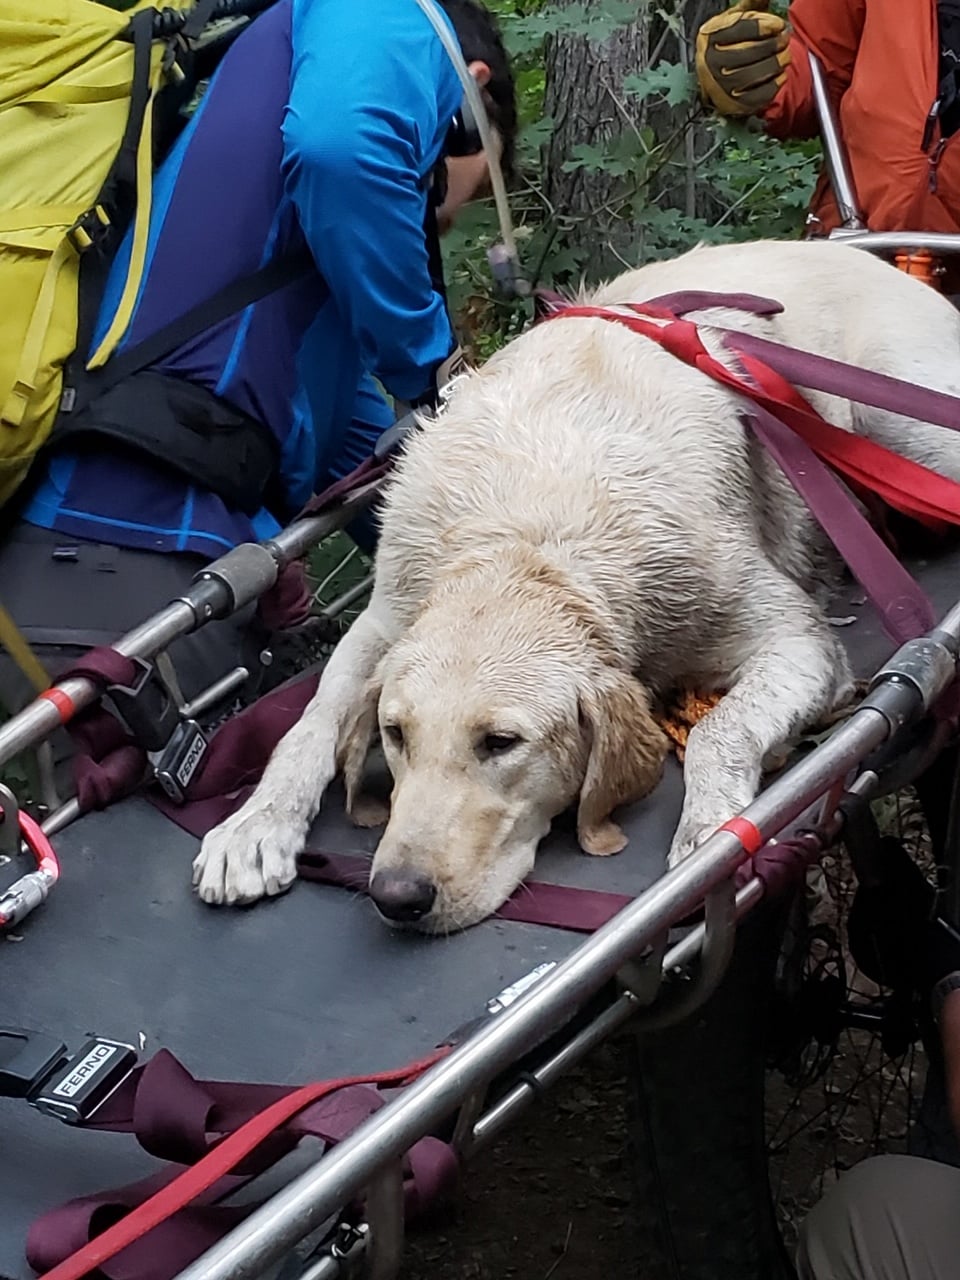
pixel 90 229
pixel 179 760
pixel 148 708
pixel 38 1067
pixel 26 1059
pixel 72 1093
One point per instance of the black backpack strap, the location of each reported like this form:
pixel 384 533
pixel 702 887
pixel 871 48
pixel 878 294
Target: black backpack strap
pixel 234 297
pixel 116 197
pixel 197 19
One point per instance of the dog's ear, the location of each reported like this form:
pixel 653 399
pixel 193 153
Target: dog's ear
pixel 352 750
pixel 627 749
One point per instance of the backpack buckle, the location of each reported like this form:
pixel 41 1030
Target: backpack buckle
pixel 90 229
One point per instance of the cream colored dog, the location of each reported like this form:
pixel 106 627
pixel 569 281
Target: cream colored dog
pixel 587 524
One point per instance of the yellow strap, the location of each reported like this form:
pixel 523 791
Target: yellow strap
pixel 138 251
pixel 41 215
pixel 32 352
pixel 73 94
pixel 12 639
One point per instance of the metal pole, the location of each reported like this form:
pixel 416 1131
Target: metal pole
pixel 42 717
pixel 349 597
pixel 939 242
pixel 321 1191
pixel 835 151
pixel 208 598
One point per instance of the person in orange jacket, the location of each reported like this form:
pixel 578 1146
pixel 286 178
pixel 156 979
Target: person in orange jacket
pixel 892 72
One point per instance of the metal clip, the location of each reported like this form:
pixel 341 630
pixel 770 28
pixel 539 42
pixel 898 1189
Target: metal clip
pixel 175 765
pixel 74 1092
pixel 349 1241
pixel 148 707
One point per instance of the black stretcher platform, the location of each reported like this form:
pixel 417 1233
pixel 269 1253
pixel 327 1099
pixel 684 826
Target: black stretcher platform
pixel 307 986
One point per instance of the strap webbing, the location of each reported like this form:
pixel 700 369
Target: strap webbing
pixel 197 19
pixel 205 315
pixel 136 153
pixel 220 1161
pixel 915 490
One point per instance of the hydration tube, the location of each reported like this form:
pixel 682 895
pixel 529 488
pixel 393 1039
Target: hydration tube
pixel 503 258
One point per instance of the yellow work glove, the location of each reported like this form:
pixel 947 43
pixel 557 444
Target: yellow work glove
pixel 742 58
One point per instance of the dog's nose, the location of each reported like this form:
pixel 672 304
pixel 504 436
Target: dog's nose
pixel 401 895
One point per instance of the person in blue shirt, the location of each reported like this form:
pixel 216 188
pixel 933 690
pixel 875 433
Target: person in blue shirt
pixel 326 136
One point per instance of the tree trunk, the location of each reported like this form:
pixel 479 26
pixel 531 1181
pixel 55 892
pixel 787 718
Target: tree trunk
pixel 653 147
pixel 584 98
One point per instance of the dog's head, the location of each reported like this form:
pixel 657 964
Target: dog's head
pixel 496 712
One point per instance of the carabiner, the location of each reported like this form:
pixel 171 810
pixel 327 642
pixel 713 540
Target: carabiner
pixel 31 889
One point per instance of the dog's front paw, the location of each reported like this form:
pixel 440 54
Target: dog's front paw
pixel 250 856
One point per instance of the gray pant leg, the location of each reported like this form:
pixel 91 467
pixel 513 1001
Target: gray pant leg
pixel 889 1218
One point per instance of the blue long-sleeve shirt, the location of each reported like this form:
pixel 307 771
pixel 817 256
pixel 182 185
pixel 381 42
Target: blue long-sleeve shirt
pixel 322 125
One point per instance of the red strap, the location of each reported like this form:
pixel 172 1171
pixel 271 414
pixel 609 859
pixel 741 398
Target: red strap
pixel 219 1162
pixel 907 486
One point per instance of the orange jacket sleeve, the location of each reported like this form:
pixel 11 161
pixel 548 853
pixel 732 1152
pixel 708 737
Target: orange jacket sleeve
pixel 830 29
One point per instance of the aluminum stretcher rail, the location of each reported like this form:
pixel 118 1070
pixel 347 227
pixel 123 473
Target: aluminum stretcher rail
pixel 902 691
pixel 369 1160
pixel 853 226
pixel 906 687
pixel 226 585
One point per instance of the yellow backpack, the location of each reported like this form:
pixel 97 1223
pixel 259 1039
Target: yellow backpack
pixel 81 90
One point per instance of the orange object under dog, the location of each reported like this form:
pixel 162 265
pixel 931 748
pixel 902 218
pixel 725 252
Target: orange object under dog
pixel 682 713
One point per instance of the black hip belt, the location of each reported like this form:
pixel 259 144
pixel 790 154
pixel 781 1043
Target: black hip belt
pixel 184 427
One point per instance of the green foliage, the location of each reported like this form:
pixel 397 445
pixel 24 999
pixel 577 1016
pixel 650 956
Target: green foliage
pixel 671 81
pixel 680 174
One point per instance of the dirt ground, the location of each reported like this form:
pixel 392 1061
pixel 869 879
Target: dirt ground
pixel 550 1199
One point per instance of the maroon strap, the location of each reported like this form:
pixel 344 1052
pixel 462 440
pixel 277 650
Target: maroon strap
pixel 239 750
pixel 903 606
pixel 178 1118
pixel 289 602
pixel 819 373
pixel 816 372
pixel 559 906
pixel 782 867
pixel 679 304
pixel 162 1254
pixel 779 866
pixel 107 764
pixel 369 471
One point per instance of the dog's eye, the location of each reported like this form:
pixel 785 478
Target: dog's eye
pixel 497 744
pixel 394 733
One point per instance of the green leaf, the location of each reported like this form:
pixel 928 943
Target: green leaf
pixel 670 80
